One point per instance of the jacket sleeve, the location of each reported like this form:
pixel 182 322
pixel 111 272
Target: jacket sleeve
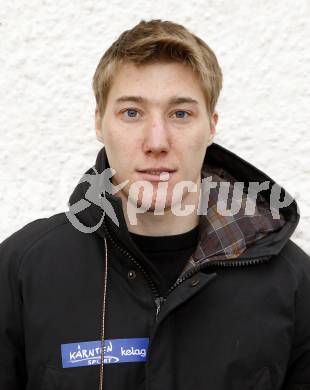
pixel 298 370
pixel 12 356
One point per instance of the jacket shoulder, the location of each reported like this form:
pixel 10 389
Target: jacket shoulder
pixel 296 257
pixel 15 246
pixel 299 360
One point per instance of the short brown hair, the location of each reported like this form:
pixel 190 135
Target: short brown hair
pixel 157 40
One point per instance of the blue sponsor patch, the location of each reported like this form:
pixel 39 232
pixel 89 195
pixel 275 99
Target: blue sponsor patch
pixel 115 351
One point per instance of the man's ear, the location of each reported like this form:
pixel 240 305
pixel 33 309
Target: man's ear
pixel 213 123
pixel 98 122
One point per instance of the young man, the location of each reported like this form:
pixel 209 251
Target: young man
pixel 159 278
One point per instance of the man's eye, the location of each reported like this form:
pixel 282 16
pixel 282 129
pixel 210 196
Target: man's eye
pixel 181 112
pixel 131 112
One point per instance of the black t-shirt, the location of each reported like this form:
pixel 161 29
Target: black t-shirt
pixel 168 254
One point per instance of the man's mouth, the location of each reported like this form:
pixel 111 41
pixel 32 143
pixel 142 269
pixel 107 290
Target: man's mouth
pixel 159 174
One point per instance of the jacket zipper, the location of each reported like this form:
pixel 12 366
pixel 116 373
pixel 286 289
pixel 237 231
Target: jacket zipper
pixel 159 300
pixel 155 294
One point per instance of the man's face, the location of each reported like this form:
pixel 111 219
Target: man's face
pixel 145 127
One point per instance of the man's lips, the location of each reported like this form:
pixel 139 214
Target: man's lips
pixel 156 174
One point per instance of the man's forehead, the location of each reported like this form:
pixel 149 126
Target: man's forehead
pixel 127 87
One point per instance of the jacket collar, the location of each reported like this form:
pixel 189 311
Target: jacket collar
pixel 220 237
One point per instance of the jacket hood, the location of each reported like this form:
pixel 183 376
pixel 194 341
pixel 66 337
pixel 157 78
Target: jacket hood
pixel 221 237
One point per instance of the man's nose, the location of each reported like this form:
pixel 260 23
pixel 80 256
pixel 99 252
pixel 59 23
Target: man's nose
pixel 156 136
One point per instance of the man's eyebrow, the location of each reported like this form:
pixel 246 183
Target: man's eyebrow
pixel 172 101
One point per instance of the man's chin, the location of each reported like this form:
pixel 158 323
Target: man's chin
pixel 152 205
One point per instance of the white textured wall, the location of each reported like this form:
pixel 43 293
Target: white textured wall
pixel 49 51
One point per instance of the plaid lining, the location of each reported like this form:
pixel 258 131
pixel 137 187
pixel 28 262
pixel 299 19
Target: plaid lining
pixel 224 237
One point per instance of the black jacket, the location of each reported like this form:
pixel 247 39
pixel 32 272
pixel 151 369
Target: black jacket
pixel 237 318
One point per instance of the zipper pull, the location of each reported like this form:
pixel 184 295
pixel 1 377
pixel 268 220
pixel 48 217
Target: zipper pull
pixel 158 302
